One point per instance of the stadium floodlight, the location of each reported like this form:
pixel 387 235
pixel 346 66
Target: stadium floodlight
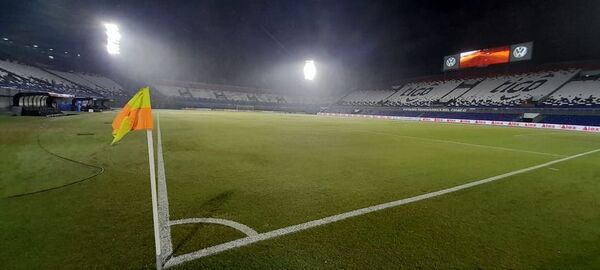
pixel 310 70
pixel 35 45
pixel 5 39
pixel 113 38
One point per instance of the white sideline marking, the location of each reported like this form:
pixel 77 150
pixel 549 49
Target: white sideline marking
pixel 315 223
pixel 468 144
pixel 553 169
pixel 229 223
pixel 556 132
pixel 163 200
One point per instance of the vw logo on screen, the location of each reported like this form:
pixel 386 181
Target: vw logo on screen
pixel 450 62
pixel 520 51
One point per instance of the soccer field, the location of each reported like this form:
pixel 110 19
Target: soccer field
pixel 270 171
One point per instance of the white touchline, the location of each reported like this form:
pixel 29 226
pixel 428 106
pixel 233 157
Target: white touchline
pixel 467 144
pixel 315 223
pixel 163 200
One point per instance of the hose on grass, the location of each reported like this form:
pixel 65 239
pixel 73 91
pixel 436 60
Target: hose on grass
pixel 99 171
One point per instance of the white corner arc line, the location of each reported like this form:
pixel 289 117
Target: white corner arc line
pixel 469 144
pixel 229 223
pixel 319 222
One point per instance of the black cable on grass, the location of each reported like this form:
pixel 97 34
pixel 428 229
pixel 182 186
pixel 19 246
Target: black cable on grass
pixel 99 172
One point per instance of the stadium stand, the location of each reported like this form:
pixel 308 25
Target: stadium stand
pixel 494 91
pixel 101 82
pixel 584 93
pixel 104 86
pixel 514 90
pixel 191 94
pixel 559 95
pixel 421 93
pixel 366 97
pixel 24 77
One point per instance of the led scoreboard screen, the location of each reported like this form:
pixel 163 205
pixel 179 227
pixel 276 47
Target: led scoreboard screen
pixel 486 57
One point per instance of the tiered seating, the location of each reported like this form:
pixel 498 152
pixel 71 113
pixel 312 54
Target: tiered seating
pixel 25 77
pixel 80 79
pixel 270 98
pixel 9 80
pixel 236 96
pixel 202 93
pixel 457 92
pixel 422 93
pixel 363 97
pixel 310 100
pixel 29 78
pixel 576 94
pixel 244 98
pixel 31 72
pixel 102 82
pixel 529 91
pixel 505 90
pixel 169 91
pixel 513 90
pixel 76 79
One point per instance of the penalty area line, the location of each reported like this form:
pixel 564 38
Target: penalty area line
pixel 335 218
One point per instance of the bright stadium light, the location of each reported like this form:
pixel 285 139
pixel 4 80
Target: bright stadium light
pixel 113 38
pixel 310 70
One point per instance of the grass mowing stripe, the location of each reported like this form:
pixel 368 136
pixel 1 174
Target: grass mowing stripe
pixel 468 144
pixel 335 218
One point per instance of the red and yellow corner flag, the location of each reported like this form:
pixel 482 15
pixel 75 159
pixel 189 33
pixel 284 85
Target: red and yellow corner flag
pixel 136 115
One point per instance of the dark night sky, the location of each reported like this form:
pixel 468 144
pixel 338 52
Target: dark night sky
pixel 250 42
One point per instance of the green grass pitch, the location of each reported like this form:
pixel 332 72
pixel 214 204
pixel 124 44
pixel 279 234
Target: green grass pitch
pixel 270 170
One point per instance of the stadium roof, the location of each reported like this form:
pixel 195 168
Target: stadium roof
pixel 245 42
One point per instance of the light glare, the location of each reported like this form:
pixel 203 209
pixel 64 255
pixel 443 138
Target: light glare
pixel 113 38
pixel 310 70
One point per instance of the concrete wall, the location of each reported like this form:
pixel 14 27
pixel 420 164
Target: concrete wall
pixel 6 99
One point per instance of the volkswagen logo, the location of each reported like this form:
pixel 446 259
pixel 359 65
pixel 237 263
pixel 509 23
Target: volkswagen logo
pixel 450 62
pixel 520 51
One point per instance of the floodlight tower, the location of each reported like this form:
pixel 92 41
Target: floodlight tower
pixel 113 38
pixel 310 70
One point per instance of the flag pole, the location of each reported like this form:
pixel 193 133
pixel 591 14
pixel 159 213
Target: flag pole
pixel 154 200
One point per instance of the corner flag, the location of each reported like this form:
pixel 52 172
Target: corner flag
pixel 136 115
